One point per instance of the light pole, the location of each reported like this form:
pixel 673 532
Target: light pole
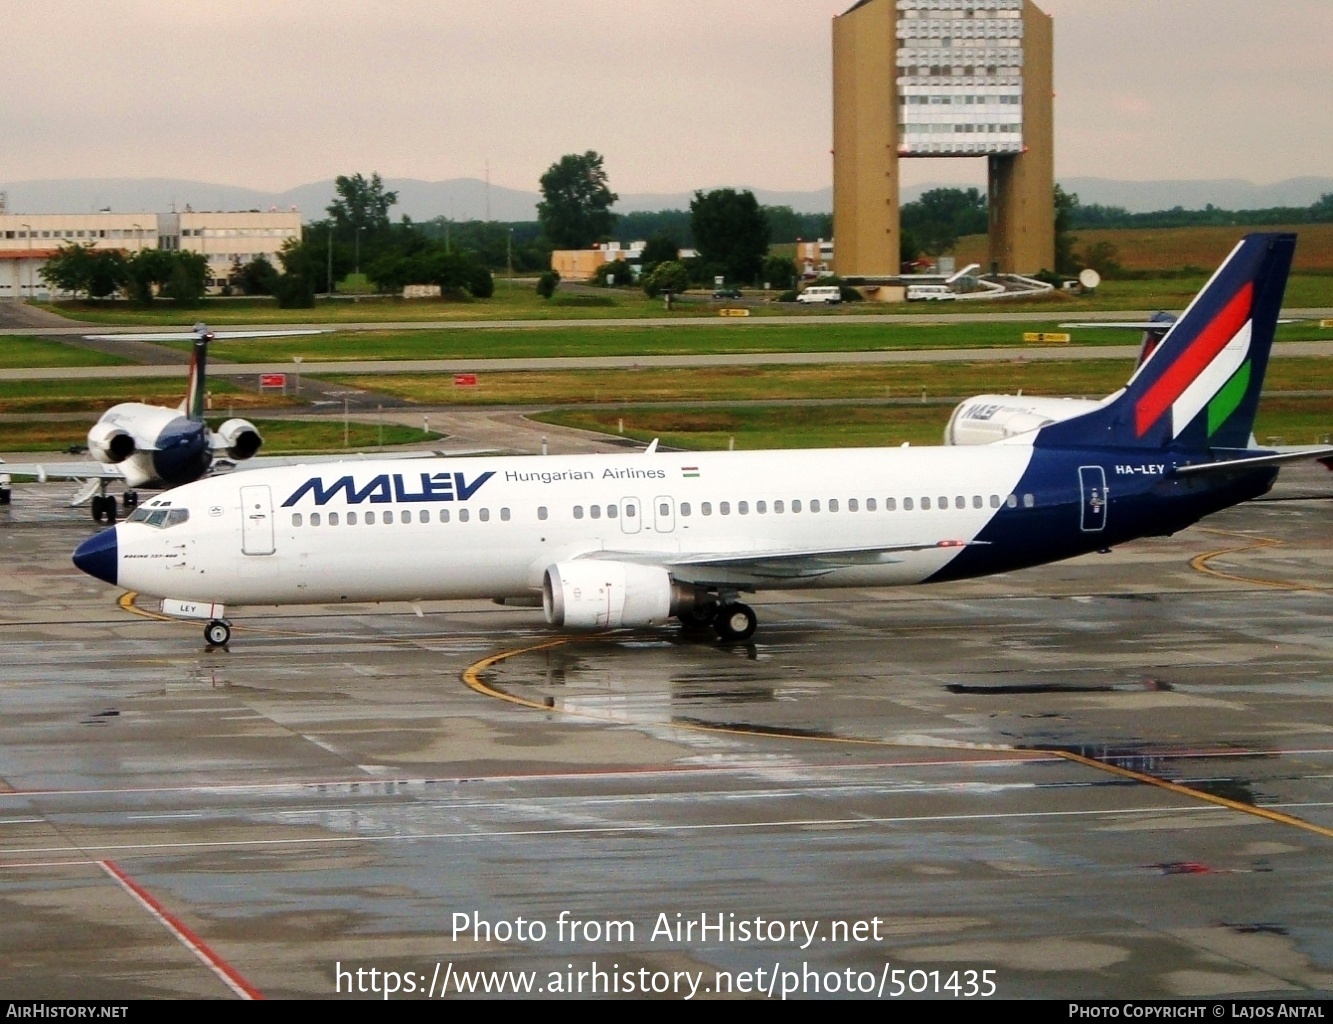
pixel 330 257
pixel 138 237
pixel 297 361
pixel 359 228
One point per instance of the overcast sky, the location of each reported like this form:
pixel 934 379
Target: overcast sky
pixel 676 94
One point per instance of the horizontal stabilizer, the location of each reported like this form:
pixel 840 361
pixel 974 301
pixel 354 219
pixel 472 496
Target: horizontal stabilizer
pixel 1254 461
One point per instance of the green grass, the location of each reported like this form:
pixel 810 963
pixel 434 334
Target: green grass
pixel 1293 420
pixel 20 351
pixel 840 381
pixel 692 339
pixel 281 437
pixel 95 396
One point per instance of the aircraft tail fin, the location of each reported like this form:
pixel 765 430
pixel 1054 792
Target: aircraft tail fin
pixel 193 406
pixel 1199 388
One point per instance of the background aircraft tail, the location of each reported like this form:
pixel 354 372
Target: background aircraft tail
pixel 1199 388
pixel 193 406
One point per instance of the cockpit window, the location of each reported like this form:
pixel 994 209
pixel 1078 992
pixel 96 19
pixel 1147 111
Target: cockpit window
pixel 162 518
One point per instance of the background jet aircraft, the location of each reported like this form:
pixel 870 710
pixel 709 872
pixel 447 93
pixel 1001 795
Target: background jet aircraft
pixel 152 445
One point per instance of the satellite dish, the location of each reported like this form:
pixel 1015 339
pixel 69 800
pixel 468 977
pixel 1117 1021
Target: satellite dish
pixel 1089 278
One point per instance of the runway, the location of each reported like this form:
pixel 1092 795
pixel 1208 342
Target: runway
pixel 1111 777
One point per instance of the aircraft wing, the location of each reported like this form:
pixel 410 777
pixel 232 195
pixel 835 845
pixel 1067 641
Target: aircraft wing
pixel 189 335
pixel 44 471
pixel 778 563
pixel 270 461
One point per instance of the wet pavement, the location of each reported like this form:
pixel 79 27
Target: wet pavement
pixel 1111 777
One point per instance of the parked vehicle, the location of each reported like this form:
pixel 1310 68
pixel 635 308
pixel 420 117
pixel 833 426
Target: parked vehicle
pixel 828 294
pixel 929 293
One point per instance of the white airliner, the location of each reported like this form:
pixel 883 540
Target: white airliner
pixel 151 445
pixel 605 541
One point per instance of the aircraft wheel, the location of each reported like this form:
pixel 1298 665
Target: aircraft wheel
pixel 98 508
pixel 131 499
pixel 217 633
pixel 735 622
pixel 698 619
pixel 109 505
pixel 6 495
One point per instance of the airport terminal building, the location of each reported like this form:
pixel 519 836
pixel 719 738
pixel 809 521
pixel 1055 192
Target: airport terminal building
pixel 28 240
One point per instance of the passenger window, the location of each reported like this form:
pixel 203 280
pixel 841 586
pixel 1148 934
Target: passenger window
pixel 631 511
pixel 833 504
pixel 541 512
pixel 976 501
pixel 852 506
pixel 907 504
pixel 333 518
pixel 484 515
pixel 706 508
pixel 664 509
pixel 1012 501
pixel 612 511
pixel 994 501
pixel 444 515
pixel 959 501
pixel 463 515
pixel 314 518
pixel 296 518
pixel 890 504
pixel 778 508
pixel 504 515
pixel 814 505
pixel 796 506
pixel 595 511
pixel 578 511
pixel 743 508
pixel 351 518
pixel 870 504
pixel 925 504
pixel 761 507
pixel 388 516
pixel 944 502
pixel 1029 501
pixel 370 517
pixel 724 508
pixel 684 508
pixel 423 516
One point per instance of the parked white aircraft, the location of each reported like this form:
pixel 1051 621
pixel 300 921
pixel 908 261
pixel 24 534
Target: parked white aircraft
pixel 985 419
pixel 604 541
pixel 151 445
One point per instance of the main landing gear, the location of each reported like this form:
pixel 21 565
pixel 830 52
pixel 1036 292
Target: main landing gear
pixel 218 633
pixel 104 508
pixel 732 621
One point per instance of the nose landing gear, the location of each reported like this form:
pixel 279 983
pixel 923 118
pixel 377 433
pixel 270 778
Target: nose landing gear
pixel 217 633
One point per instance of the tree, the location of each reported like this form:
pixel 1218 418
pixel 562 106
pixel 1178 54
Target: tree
pixel 660 249
pixel 731 231
pixel 1065 205
pixel 361 204
pixel 942 215
pixel 82 268
pixel 576 202
pixel 666 277
pixel 256 277
pixel 547 283
pixel 780 271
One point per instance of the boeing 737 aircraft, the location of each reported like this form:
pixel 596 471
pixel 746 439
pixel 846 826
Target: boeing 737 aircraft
pixel 605 541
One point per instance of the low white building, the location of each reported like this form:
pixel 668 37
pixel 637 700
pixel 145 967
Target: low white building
pixel 28 240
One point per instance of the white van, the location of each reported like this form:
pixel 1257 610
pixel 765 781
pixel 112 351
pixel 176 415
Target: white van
pixel 928 293
pixel 821 293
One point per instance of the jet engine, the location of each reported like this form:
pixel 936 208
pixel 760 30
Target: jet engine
pixel 592 594
pixel 989 418
pixel 110 443
pixel 239 439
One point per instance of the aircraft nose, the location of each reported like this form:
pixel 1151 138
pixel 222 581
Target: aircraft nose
pixel 97 556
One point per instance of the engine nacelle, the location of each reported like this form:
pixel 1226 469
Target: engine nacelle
pixel 593 594
pixel 240 439
pixel 986 419
pixel 110 443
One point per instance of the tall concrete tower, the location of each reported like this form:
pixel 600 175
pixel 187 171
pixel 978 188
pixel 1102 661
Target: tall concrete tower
pixel 943 78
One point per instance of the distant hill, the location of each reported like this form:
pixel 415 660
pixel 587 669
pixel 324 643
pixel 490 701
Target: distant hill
pixel 470 199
